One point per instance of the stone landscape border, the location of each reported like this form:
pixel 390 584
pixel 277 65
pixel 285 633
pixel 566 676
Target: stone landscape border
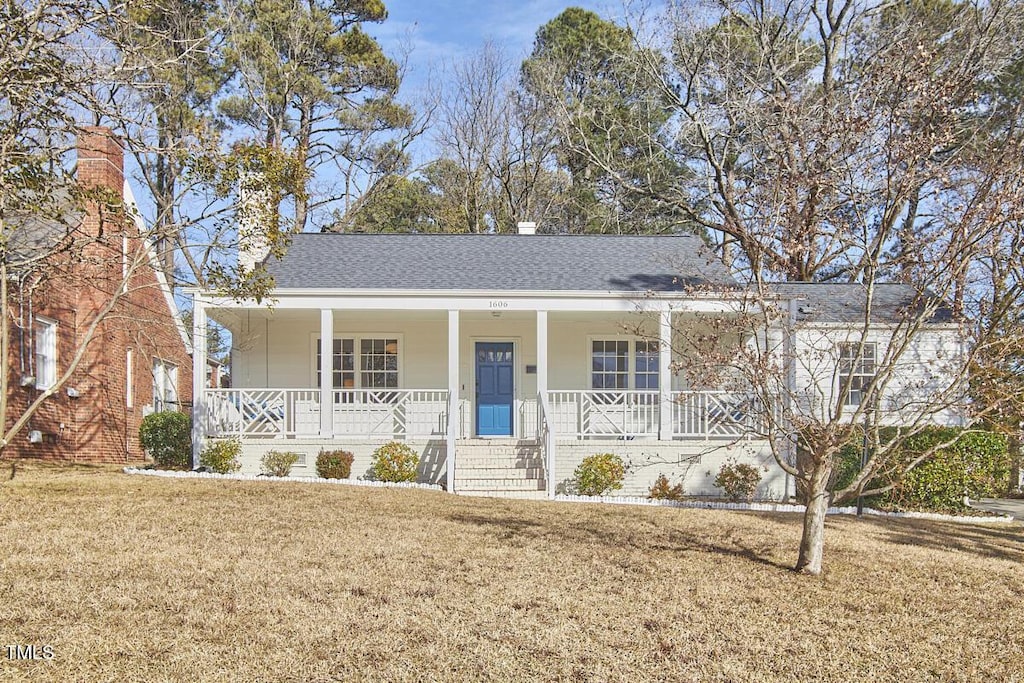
pixel 781 507
pixel 184 474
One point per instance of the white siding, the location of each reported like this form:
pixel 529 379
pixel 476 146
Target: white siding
pixel 921 373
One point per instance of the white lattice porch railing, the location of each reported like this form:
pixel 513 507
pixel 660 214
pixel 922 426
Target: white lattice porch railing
pixel 714 415
pixel 603 413
pixel 636 414
pixel 423 413
pixel 290 413
pixel 258 412
pixel 391 413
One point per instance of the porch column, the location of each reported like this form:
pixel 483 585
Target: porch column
pixel 326 373
pixel 665 375
pixel 454 423
pixel 542 390
pixel 542 352
pixel 198 376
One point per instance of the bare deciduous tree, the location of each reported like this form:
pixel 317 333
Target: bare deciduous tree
pixel 495 147
pixel 857 143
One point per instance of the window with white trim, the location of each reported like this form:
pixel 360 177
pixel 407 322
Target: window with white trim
pixel 646 366
pixel 856 373
pixel 124 264
pixel 343 366
pixel 609 364
pixel 129 380
pixel 165 385
pixel 378 363
pixel 44 331
pixel 624 364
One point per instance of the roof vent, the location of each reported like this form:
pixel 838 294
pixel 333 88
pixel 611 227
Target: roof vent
pixel 527 228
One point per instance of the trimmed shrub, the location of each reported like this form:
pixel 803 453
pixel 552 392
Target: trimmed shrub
pixel 662 490
pixel 167 437
pixel 278 463
pixel 221 456
pixel 395 462
pixel 976 465
pixel 738 480
pixel 599 474
pixel 334 464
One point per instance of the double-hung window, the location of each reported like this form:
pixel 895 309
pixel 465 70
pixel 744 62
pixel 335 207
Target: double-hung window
pixel 377 363
pixel 45 333
pixel 343 365
pixel 857 367
pixel 624 364
pixel 609 364
pixel 646 367
pixel 165 385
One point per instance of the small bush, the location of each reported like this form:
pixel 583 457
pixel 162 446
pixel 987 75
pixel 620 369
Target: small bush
pixel 395 462
pixel 598 474
pixel 661 490
pixel 167 437
pixel 334 464
pixel 278 463
pixel 738 480
pixel 221 456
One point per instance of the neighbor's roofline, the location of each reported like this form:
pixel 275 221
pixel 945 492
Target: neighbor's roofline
pixel 128 197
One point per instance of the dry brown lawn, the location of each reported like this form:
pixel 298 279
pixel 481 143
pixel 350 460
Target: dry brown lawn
pixel 142 579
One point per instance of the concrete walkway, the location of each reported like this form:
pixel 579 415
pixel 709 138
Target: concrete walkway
pixel 1004 506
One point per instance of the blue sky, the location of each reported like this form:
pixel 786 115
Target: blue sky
pixel 440 30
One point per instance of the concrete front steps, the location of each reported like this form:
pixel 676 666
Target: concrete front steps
pixel 502 468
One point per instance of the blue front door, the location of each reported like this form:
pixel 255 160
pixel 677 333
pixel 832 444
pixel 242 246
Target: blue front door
pixel 494 388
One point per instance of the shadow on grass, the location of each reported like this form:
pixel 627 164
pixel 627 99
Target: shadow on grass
pixel 1002 541
pixel 507 528
pixel 504 523
pixel 688 542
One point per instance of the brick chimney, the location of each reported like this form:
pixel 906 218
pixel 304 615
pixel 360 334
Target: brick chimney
pixel 100 159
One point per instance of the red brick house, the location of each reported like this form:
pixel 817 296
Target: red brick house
pixel 94 331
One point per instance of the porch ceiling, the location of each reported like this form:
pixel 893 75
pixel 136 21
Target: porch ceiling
pixel 235 318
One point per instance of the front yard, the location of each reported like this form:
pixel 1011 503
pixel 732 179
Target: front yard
pixel 138 578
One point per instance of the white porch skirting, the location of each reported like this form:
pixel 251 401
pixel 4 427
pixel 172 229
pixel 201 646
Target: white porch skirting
pixel 694 464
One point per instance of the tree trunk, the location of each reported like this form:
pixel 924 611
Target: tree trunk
pixel 1015 461
pixel 812 542
pixel 302 151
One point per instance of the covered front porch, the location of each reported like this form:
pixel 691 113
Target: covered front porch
pixel 469 385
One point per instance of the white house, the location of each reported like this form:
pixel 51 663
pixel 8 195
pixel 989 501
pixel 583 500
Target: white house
pixel 504 360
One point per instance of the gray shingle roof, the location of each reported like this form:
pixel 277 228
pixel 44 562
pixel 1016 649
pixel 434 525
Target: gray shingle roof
pixel 844 303
pixel 36 226
pixel 617 263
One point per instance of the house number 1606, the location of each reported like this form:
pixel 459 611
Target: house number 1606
pixel 499 304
